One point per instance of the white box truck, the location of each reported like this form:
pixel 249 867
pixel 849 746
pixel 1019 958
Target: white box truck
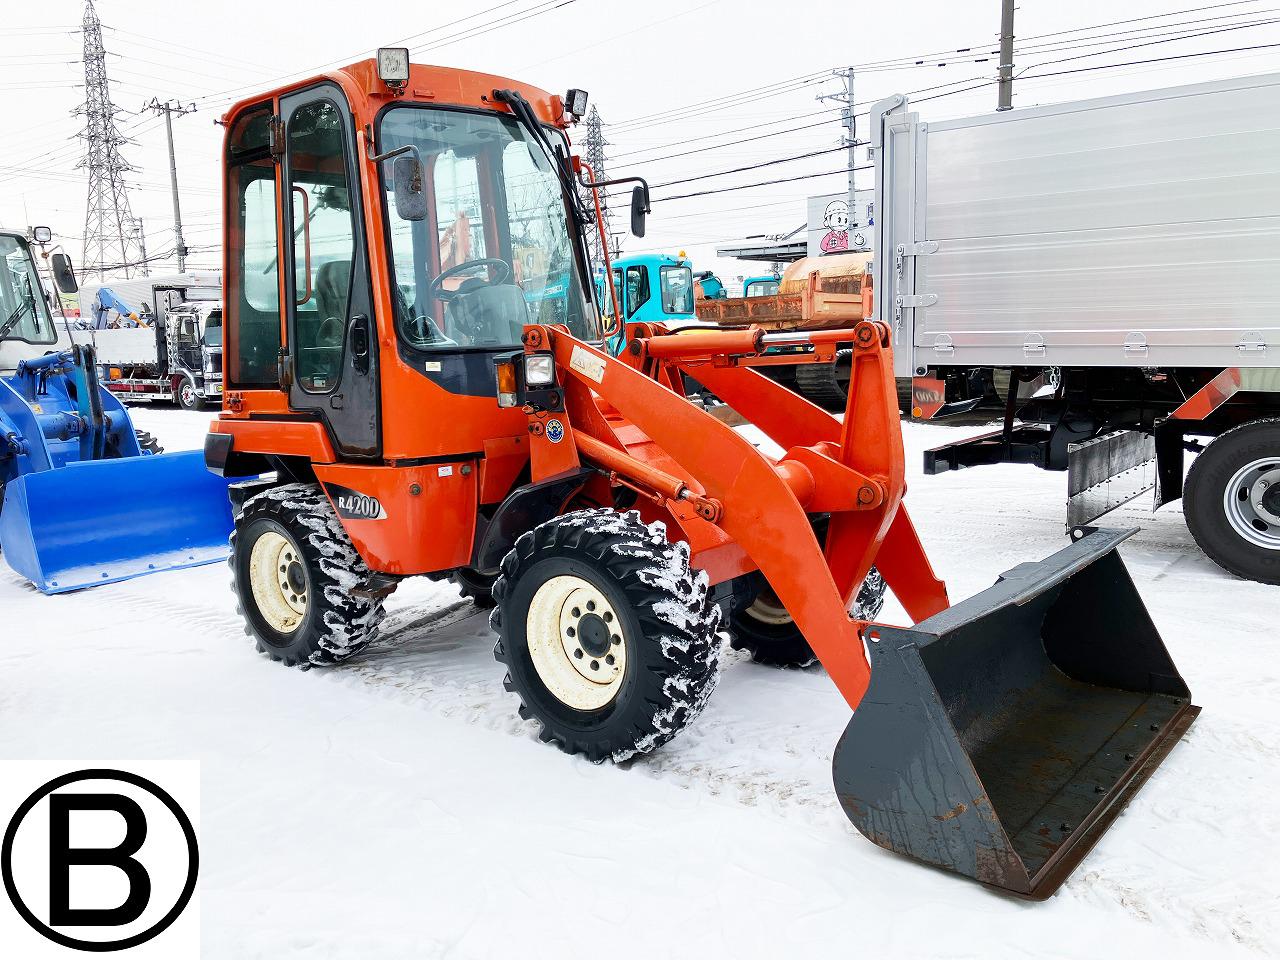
pixel 1121 255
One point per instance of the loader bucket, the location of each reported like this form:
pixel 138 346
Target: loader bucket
pixel 100 521
pixel 1000 738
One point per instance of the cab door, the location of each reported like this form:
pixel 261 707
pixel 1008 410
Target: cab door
pixel 332 342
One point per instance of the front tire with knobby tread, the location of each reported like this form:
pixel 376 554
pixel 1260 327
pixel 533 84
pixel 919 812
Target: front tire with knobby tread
pixel 669 625
pixel 342 610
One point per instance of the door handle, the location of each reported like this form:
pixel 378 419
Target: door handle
pixel 358 339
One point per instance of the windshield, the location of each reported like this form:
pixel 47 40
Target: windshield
pixel 24 315
pixel 494 251
pixel 213 329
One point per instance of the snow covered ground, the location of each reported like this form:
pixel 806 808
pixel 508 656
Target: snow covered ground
pixel 397 807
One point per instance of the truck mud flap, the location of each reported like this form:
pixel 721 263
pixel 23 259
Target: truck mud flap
pixel 1000 738
pixel 101 521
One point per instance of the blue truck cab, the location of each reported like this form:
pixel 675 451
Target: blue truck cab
pixel 762 286
pixel 654 288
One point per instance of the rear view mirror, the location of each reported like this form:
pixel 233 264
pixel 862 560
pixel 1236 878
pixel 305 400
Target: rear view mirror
pixel 406 181
pixel 639 207
pixel 63 275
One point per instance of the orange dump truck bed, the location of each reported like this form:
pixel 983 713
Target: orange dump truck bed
pixel 815 293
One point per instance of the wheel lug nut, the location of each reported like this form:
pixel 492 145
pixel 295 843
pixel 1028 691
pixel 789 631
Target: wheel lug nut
pixel 571 632
pixel 595 664
pixel 610 660
pixel 617 640
pixel 576 612
pixel 591 605
pixel 608 617
pixel 578 653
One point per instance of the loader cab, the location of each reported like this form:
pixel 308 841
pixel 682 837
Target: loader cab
pixel 26 324
pixel 388 243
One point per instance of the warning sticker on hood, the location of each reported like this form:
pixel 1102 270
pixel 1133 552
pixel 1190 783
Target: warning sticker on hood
pixel 587 364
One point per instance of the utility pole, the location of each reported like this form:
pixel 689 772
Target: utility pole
pixel 169 109
pixel 849 119
pixel 1005 101
pixel 107 217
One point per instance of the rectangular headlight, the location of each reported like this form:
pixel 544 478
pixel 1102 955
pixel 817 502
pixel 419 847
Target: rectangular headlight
pixel 575 102
pixel 393 65
pixel 539 370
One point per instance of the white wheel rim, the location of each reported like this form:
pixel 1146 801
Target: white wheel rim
pixel 768 609
pixel 1249 502
pixel 278 579
pixel 188 393
pixel 576 642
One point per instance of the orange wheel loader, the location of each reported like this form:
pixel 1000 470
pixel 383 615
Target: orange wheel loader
pixel 415 385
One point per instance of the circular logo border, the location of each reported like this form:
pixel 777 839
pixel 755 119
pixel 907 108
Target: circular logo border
pixel 91 946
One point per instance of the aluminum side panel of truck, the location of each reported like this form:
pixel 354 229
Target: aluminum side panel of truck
pixel 1139 230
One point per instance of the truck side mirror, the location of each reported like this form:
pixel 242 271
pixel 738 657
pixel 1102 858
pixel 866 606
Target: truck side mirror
pixel 63 275
pixel 639 207
pixel 406 181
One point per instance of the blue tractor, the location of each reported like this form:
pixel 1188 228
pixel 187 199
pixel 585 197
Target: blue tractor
pixel 85 498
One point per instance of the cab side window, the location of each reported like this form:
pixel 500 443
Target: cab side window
pixel 323 243
pixel 253 280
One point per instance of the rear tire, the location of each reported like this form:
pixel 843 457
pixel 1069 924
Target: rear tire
pixel 148 443
pixel 1232 501
pixel 609 638
pixel 764 629
pixel 296 577
pixel 475 586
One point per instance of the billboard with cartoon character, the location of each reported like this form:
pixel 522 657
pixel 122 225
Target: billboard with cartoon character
pixel 834 228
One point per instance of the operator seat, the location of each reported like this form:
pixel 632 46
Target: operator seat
pixel 333 281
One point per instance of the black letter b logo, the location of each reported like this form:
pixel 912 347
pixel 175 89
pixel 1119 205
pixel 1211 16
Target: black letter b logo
pixel 62 857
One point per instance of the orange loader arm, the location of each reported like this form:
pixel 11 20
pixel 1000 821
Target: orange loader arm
pixel 853 472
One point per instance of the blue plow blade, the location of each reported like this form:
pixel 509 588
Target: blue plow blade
pixel 102 521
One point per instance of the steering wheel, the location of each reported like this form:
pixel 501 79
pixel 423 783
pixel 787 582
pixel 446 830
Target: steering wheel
pixel 324 325
pixel 435 289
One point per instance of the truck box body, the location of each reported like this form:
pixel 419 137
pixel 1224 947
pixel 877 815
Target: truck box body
pixel 1139 230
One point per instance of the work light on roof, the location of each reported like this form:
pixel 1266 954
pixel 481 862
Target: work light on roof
pixel 393 66
pixel 575 103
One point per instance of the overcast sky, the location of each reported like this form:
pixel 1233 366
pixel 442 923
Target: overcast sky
pixel 636 60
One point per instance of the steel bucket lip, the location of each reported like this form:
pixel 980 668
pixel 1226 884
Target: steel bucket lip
pixel 77 526
pixel 891 730
pixel 1018 585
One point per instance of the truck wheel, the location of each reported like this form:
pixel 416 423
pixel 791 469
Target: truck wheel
pixel 475 586
pixel 298 580
pixel 186 397
pixel 148 443
pixel 609 638
pixel 764 629
pixel 1232 501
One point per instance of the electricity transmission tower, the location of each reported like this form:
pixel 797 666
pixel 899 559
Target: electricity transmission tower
pixel 111 239
pixel 593 150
